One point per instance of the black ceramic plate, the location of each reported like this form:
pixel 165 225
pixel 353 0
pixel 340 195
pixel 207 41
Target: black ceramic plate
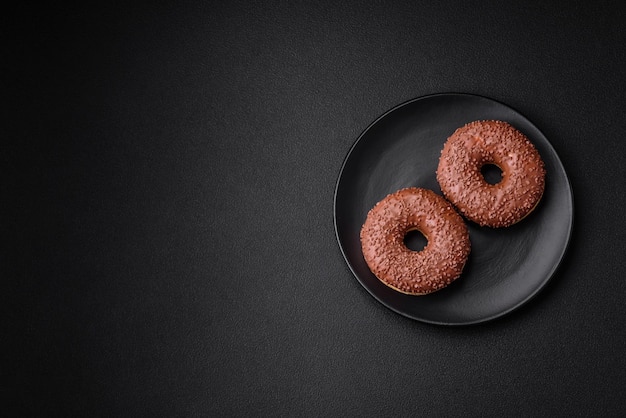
pixel 507 266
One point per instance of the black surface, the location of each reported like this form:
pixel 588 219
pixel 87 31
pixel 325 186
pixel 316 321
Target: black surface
pixel 507 266
pixel 167 183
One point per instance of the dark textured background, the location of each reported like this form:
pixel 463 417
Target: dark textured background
pixel 167 196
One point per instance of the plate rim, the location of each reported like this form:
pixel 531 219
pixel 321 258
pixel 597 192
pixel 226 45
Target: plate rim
pixel 497 315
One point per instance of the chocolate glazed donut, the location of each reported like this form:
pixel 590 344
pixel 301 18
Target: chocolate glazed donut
pixel 479 143
pixel 405 270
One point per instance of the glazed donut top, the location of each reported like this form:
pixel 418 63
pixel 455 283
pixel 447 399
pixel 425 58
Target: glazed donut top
pixel 478 143
pixel 405 270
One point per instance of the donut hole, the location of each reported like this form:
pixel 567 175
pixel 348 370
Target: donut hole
pixel 491 173
pixel 415 240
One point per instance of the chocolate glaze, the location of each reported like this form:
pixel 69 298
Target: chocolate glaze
pixel 415 272
pixel 478 143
